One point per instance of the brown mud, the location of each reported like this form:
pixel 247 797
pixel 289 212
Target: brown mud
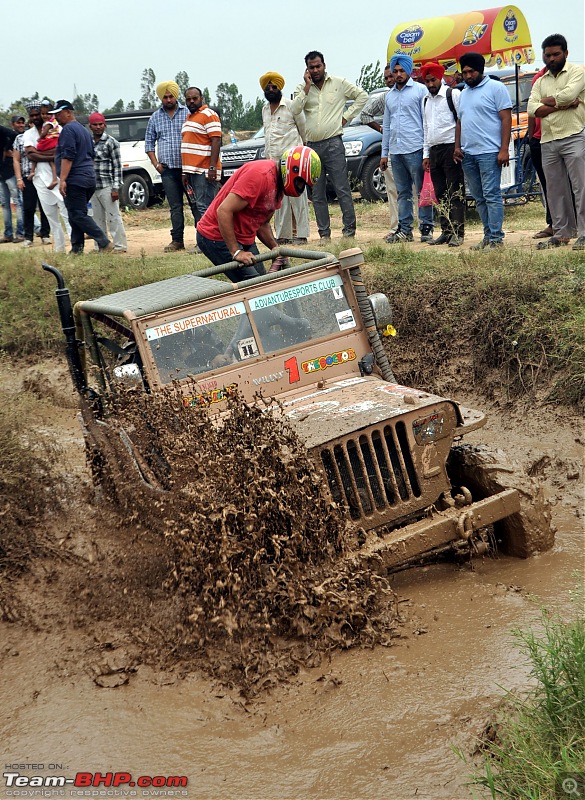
pixel 88 685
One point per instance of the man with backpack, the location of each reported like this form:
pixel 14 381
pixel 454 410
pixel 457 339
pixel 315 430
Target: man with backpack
pixel 439 121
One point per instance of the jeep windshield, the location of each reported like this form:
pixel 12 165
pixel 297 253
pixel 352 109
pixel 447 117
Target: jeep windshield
pixel 128 130
pixel 266 323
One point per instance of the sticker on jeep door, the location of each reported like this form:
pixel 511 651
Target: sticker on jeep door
pixel 330 360
pixel 195 321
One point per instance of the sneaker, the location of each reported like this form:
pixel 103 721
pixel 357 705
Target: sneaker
pixel 480 245
pixel 495 244
pixel 174 246
pixel 348 235
pixel 18 239
pixel 426 233
pixel 456 241
pixel 400 237
pixel 45 240
pixel 299 241
pixel 107 248
pixel 6 240
pixel 579 244
pixel 283 241
pixel 554 241
pixel 444 238
pixel 27 243
pixel 120 250
pixel 389 235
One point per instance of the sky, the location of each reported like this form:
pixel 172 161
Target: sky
pixel 103 49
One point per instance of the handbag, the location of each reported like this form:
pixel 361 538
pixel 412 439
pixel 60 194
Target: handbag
pixel 427 196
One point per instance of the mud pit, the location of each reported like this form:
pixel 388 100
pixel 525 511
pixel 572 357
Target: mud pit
pixel 365 723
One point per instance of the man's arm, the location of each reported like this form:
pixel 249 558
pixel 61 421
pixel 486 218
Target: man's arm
pixel 301 93
pixel 64 174
pixel 458 152
pixel 265 234
pixel 301 123
pixel 566 97
pixel 504 155
pixel 373 108
pixel 150 138
pixel 34 155
pixel 360 97
pixel 213 159
pixel 116 169
pixel 17 169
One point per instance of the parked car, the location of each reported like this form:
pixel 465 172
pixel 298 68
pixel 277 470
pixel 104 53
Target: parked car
pixel 141 184
pixel 363 148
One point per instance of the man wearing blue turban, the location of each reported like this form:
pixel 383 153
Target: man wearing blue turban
pixel 402 141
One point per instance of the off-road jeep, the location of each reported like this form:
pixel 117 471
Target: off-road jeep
pixel 309 336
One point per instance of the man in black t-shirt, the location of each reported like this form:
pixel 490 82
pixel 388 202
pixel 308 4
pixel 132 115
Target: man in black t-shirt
pixel 8 189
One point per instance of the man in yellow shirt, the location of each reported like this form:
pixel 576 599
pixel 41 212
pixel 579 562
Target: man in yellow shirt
pixel 323 97
pixel 558 100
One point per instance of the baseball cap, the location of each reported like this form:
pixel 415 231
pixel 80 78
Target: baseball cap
pixel 62 105
pixel 17 117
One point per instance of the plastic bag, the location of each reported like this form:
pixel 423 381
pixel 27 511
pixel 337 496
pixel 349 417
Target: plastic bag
pixel 427 196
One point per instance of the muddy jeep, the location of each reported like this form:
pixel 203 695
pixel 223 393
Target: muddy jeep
pixel 312 338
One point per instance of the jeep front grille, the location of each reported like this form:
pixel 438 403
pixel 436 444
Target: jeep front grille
pixel 231 156
pixel 373 472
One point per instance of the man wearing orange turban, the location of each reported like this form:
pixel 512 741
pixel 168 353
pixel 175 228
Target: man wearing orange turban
pixel 439 122
pixel 162 144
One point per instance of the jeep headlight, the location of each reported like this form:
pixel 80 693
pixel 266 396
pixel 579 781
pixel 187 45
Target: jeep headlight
pixel 353 148
pixel 261 152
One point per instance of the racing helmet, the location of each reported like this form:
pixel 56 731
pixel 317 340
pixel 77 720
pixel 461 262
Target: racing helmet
pixel 299 166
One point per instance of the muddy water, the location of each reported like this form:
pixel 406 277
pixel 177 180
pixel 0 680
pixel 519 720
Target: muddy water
pixel 368 724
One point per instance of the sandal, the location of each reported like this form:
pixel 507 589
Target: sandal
pixel 554 241
pixel 544 234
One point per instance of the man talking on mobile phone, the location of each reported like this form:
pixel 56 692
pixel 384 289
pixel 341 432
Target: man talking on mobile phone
pixel 323 98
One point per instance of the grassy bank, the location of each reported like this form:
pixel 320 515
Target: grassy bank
pixel 511 320
pixel 536 746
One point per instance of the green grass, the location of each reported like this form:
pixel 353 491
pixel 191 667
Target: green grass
pixel 537 742
pixel 515 318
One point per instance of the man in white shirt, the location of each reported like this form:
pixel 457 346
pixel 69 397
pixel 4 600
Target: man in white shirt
pixel 284 130
pixel 439 122
pixel 51 200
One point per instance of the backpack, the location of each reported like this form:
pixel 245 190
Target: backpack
pixel 449 102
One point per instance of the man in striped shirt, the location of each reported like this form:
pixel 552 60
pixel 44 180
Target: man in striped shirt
pixel 200 144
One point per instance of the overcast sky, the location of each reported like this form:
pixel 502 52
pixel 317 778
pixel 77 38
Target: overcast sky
pixel 103 48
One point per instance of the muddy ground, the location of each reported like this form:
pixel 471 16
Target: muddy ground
pixel 77 692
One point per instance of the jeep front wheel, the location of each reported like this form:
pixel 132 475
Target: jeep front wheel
pixel 134 192
pixel 373 185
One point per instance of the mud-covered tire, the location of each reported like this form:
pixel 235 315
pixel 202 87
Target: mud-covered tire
pixel 485 471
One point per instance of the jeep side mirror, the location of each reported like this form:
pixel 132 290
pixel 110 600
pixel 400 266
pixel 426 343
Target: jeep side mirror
pixel 381 309
pixel 129 374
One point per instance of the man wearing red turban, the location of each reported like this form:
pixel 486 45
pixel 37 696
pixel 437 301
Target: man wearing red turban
pixel 439 122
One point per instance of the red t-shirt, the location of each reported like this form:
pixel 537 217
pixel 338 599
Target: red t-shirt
pixel 256 183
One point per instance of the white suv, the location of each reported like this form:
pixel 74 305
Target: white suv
pixel 142 183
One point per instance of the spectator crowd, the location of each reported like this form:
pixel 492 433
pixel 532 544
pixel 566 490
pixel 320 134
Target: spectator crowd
pixel 437 138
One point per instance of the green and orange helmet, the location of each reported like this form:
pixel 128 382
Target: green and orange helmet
pixel 299 166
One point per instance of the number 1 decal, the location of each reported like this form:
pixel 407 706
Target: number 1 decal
pixel 291 365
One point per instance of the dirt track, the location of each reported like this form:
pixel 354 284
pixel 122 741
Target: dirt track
pixel 373 723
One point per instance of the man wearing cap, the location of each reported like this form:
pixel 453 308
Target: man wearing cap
pixel 108 175
pixel 372 109
pixel 323 97
pixel 74 163
pixel 284 130
pixel 200 145
pixel 26 188
pixel 50 199
pixel 8 188
pixel 162 144
pixel 403 140
pixel 439 119
pixel 482 141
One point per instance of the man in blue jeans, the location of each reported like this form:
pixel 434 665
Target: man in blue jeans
pixel 74 165
pixel 482 141
pixel 162 144
pixel 402 140
pixel 8 190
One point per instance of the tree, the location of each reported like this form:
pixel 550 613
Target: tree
pixel 148 98
pixel 131 106
pixel 230 104
pixel 371 77
pixel 182 80
pixel 85 104
pixel 116 108
pixel 251 119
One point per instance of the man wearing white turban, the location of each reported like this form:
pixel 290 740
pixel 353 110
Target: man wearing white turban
pixel 162 144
